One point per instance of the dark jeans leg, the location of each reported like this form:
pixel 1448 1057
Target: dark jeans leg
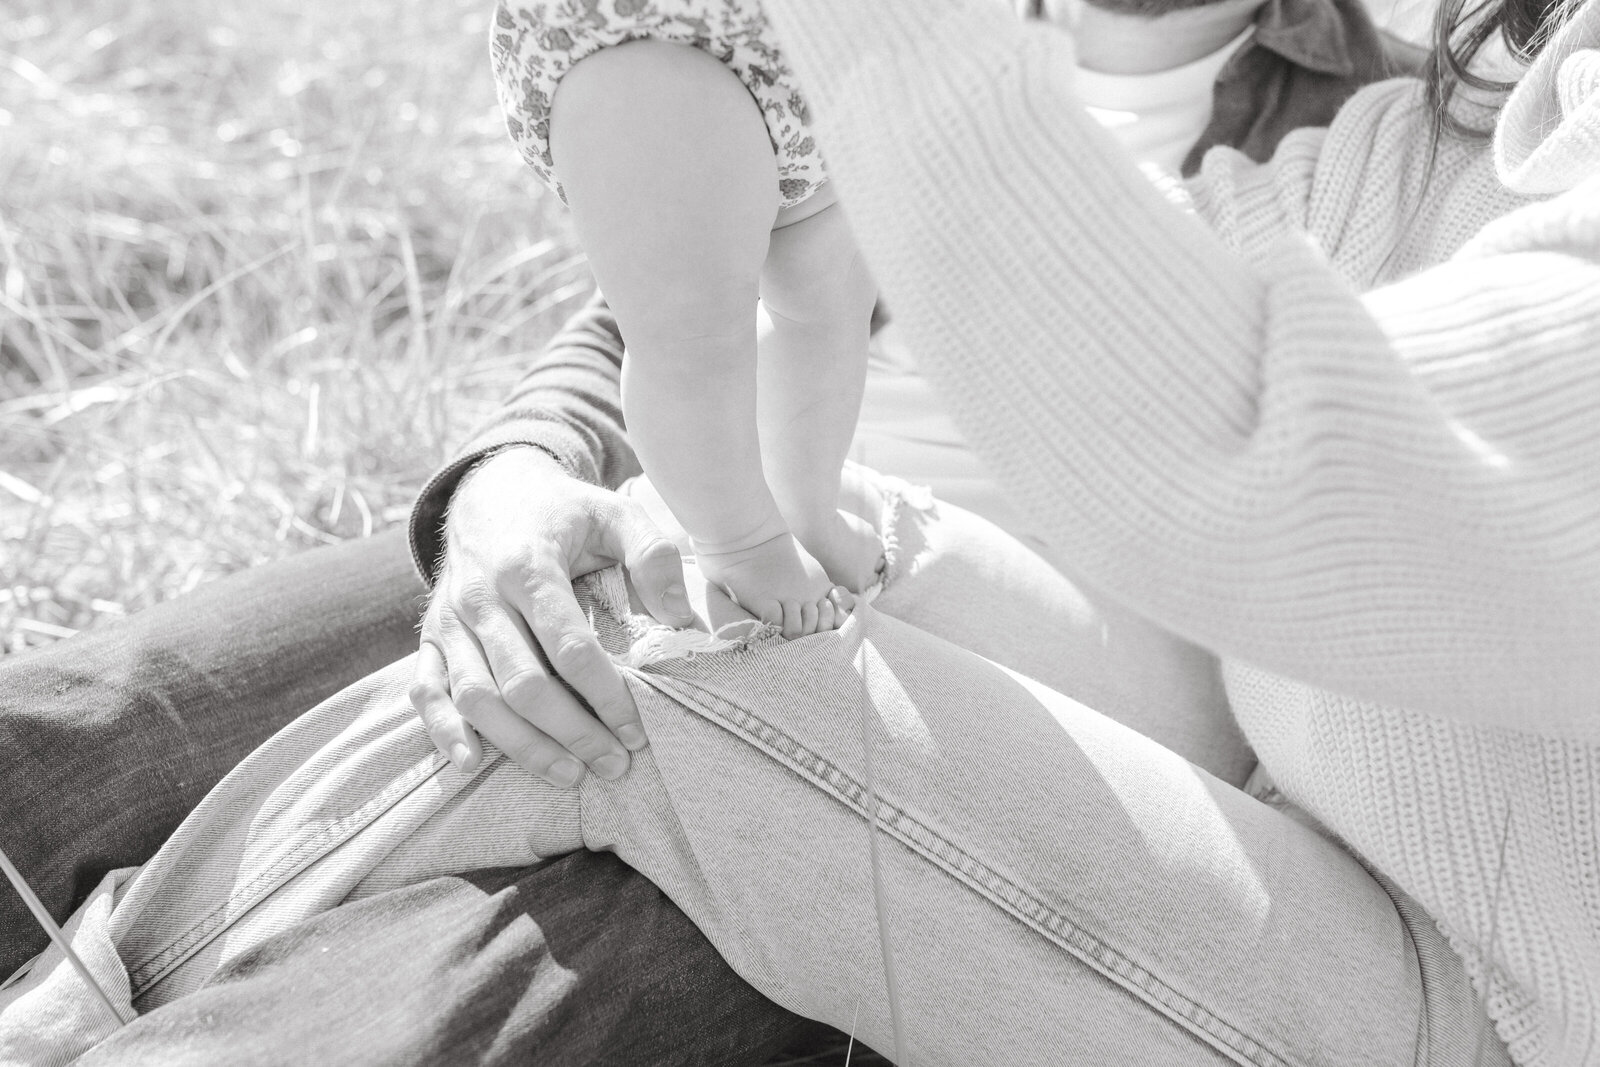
pixel 576 961
pixel 108 739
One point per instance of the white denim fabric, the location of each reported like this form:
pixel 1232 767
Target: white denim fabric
pixel 1049 885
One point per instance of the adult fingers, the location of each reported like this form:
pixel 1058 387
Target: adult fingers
pixel 477 696
pixel 430 696
pixel 652 561
pixel 541 699
pixel 575 653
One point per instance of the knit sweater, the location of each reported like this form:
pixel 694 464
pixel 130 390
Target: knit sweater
pixel 1343 428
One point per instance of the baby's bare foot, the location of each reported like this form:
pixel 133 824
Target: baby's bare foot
pixel 848 548
pixel 779 582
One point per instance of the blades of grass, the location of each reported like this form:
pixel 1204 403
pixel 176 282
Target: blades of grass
pixel 169 321
pixel 48 332
pixel 413 279
pixel 434 397
pixel 308 444
pixel 509 263
pixel 307 213
pixel 453 294
pixel 503 328
pixel 365 510
pixel 352 157
pixel 20 489
pixel 42 915
pixel 18 296
pixel 891 980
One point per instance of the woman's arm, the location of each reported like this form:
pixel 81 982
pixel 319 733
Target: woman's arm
pixel 1395 495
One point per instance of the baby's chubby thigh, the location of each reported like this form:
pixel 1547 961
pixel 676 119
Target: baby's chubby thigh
pixel 814 272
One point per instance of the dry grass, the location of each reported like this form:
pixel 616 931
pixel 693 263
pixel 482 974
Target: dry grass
pixel 260 263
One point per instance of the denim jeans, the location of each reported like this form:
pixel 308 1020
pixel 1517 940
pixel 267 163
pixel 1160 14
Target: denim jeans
pixel 876 827
pixel 578 961
pixel 110 739
pixel 107 741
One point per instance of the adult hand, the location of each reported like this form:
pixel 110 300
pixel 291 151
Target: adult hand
pixel 519 530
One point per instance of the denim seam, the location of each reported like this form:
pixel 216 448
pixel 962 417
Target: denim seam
pixel 287 864
pixel 981 879
pixel 1425 1051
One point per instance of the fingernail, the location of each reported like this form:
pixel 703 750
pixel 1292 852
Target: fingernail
pixel 631 734
pixel 611 767
pixel 565 772
pixel 677 601
pixel 459 755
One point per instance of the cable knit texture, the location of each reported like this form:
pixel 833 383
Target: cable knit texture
pixel 1347 433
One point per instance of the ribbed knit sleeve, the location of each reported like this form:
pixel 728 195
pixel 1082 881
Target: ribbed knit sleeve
pixel 569 404
pixel 1394 495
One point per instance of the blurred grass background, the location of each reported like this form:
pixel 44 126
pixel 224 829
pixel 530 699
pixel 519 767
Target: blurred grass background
pixel 260 263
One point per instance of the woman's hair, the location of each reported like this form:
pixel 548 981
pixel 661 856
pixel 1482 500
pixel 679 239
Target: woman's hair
pixel 1460 32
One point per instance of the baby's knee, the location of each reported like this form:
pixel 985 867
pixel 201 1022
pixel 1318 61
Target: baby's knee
pixel 693 303
pixel 815 273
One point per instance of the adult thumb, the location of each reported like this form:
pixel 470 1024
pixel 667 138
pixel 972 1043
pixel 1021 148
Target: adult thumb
pixel 654 565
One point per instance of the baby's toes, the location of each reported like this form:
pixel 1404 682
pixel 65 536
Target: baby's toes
pixel 794 619
pixel 769 612
pixel 827 618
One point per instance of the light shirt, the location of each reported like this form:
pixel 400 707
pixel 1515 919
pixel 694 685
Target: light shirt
pixel 904 428
pixel 1157 117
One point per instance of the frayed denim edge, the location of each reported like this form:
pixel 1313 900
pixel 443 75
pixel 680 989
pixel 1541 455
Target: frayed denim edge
pixel 651 642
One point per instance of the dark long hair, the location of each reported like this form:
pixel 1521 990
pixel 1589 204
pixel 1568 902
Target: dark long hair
pixel 1459 33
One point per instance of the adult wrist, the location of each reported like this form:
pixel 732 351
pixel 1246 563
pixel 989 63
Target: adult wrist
pixel 515 453
pixel 514 464
pixel 430 513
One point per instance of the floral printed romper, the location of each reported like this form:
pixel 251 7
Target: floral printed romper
pixel 535 42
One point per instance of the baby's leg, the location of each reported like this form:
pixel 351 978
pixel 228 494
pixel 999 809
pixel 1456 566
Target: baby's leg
pixel 666 164
pixel 817 292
